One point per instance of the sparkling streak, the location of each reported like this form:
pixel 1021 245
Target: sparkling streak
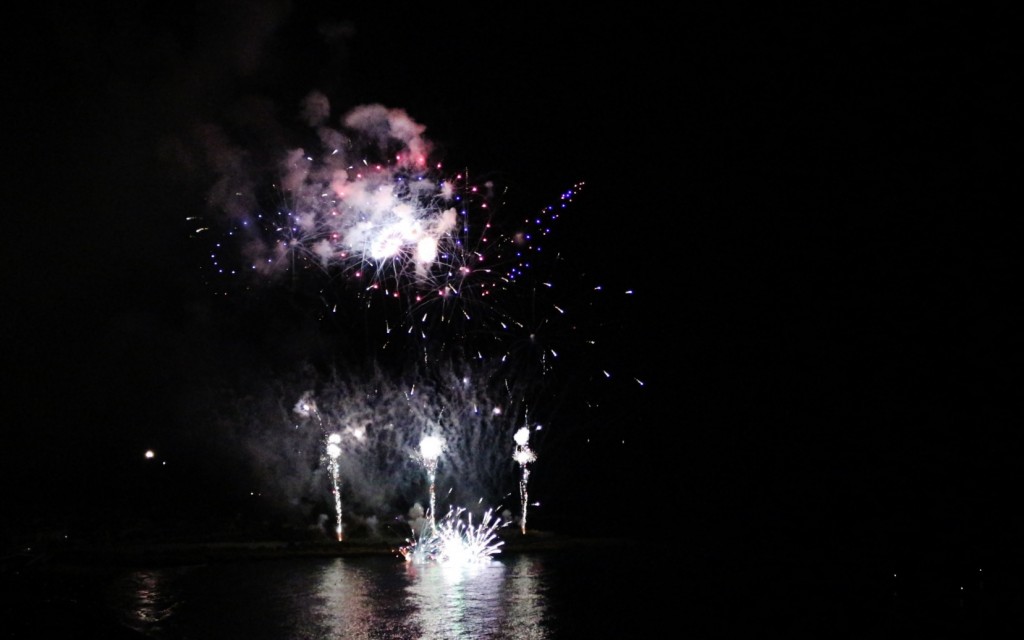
pixel 333 452
pixel 430 450
pixel 524 456
pixel 455 541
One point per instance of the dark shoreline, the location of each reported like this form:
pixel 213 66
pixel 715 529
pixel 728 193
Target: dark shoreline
pixel 153 553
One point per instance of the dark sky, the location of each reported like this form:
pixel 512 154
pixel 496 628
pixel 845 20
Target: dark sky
pixel 808 207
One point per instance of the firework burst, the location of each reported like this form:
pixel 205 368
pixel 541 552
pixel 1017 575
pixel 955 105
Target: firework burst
pixel 360 220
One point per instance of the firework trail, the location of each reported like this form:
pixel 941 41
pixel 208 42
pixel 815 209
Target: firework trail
pixel 306 408
pixel 380 419
pixel 333 451
pixel 431 448
pixel 524 455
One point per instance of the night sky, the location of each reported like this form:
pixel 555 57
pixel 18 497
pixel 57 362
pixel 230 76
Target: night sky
pixel 807 209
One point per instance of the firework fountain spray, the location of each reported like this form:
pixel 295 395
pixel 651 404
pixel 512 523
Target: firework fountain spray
pixel 524 455
pixel 307 408
pixel 333 452
pixel 430 450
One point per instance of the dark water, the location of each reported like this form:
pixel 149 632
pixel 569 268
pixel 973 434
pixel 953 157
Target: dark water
pixel 566 594
pixel 539 595
pixel 570 593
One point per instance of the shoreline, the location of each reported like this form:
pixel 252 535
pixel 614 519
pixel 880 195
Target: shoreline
pixel 171 553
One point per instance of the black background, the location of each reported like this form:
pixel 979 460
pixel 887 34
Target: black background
pixel 810 206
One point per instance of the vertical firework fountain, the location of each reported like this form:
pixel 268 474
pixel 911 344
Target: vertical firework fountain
pixel 524 455
pixel 430 450
pixel 333 452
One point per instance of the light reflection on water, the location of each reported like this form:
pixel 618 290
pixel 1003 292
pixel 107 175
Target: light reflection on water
pixel 568 593
pixel 151 604
pixel 474 601
pixel 366 597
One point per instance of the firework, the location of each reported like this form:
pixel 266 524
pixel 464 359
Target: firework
pixel 333 452
pixel 362 218
pixel 455 540
pixel 524 455
pixel 381 416
pixel 430 450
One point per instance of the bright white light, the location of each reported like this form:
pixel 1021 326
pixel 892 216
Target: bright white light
pixel 524 456
pixel 455 541
pixel 431 447
pixel 426 250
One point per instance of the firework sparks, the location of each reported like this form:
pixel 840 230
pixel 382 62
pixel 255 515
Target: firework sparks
pixel 365 208
pixel 455 540
pixel 333 452
pixel 524 455
pixel 363 203
pixel 430 451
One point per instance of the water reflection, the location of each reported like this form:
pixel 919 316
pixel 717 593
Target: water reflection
pixel 496 599
pixel 342 599
pixel 359 598
pixel 525 591
pixel 147 600
pixel 492 600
